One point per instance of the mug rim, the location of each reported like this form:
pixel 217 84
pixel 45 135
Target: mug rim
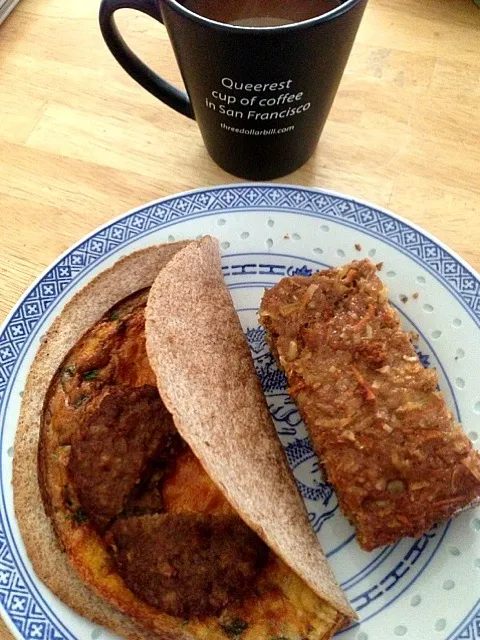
pixel 177 6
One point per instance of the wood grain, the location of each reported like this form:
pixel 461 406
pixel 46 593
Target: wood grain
pixel 81 143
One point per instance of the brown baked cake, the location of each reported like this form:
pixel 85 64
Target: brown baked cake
pixel 381 428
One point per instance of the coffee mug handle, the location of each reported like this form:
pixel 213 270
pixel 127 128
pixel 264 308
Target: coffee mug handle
pixel 139 71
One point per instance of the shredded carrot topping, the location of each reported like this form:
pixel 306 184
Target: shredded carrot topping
pixel 367 392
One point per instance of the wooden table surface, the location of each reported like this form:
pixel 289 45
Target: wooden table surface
pixel 80 142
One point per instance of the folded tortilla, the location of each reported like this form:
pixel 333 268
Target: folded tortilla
pixel 207 381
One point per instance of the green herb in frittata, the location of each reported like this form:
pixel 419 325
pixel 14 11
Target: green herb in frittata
pixel 91 375
pixel 235 628
pixel 80 401
pixel 67 375
pixel 80 516
pixel 70 371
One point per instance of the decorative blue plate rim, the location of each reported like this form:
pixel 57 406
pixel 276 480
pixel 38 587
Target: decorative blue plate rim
pixel 462 281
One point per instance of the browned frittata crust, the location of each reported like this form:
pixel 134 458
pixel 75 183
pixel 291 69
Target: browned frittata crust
pixel 383 431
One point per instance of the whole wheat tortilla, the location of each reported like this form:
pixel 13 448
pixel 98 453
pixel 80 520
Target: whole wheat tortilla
pixel 51 564
pixel 207 380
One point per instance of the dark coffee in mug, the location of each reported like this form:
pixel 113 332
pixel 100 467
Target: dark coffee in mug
pixel 260 96
pixel 260 13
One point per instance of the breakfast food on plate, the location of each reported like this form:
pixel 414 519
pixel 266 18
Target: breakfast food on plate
pixel 381 428
pixel 171 510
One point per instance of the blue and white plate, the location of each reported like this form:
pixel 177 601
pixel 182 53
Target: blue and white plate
pixel 427 589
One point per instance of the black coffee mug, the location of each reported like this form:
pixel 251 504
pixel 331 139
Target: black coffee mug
pixel 261 96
